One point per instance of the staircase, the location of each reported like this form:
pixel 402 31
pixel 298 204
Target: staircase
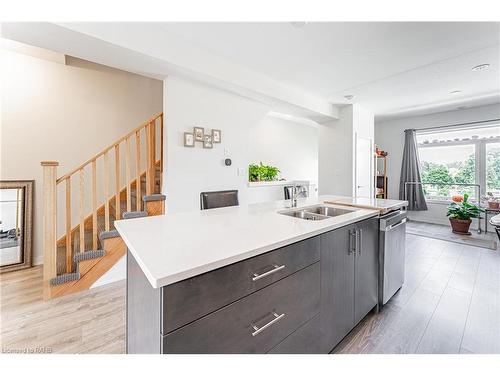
pixel 89 245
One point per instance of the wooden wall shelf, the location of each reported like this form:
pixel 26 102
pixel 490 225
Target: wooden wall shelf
pixel 381 177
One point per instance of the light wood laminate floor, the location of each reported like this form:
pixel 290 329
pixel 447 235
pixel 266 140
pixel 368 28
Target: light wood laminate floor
pixel 88 322
pixel 450 303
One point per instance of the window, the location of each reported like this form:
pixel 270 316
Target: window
pixel 450 160
pixel 493 168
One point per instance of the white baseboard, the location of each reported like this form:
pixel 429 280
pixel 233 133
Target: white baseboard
pixel 439 221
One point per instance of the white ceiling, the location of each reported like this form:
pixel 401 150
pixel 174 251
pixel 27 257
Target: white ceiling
pixel 396 69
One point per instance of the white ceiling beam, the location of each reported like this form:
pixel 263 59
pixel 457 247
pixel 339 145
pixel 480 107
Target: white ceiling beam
pixel 133 53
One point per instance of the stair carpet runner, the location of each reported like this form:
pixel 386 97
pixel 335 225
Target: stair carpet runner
pixel 79 256
pixel 94 254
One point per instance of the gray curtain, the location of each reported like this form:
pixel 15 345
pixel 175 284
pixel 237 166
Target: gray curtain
pixel 410 172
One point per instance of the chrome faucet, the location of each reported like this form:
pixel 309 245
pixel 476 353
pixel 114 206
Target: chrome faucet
pixel 294 195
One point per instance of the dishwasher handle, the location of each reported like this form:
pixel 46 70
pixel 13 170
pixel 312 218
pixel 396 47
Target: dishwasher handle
pixel 393 226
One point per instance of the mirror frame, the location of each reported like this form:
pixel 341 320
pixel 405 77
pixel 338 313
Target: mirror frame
pixel 27 233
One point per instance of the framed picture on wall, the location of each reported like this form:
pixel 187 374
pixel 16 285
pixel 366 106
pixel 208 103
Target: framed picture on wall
pixel 198 134
pixel 207 142
pixel 188 139
pixel 216 136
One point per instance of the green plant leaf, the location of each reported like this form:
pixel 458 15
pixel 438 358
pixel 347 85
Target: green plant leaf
pixel 262 172
pixel 464 210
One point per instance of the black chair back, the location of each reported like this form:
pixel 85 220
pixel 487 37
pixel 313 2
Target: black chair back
pixel 215 199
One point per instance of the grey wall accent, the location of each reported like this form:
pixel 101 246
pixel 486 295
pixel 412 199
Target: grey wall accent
pixel 143 311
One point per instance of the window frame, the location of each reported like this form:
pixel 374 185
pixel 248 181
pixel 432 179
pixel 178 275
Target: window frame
pixel 484 161
pixel 479 158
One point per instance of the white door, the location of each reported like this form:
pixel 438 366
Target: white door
pixel 364 167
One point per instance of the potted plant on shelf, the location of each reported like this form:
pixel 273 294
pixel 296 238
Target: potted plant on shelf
pixel 493 202
pixel 261 172
pixel 460 213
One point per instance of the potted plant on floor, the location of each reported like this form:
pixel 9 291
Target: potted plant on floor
pixel 460 213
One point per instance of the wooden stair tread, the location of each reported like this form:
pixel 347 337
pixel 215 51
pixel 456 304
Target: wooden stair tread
pixel 78 267
pixel 92 269
pixel 75 235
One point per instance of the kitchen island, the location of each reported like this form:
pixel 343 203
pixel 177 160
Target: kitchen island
pixel 249 279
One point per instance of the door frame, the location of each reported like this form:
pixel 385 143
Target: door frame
pixel 372 184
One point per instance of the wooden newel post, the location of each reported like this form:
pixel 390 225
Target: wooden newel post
pixel 152 158
pixel 49 224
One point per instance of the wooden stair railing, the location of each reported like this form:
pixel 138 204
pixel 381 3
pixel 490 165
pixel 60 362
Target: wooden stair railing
pixel 124 194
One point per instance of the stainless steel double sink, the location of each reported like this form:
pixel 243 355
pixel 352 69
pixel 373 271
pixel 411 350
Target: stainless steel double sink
pixel 319 212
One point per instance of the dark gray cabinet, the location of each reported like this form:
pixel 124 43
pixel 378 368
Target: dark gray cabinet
pixel 366 269
pixel 337 285
pixel 276 293
pixel 304 340
pixel 191 299
pixel 301 298
pixel 349 276
pixel 256 323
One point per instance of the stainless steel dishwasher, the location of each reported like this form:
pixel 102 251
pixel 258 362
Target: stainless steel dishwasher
pixel 391 254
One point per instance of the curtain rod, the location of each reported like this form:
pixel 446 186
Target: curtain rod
pixel 453 125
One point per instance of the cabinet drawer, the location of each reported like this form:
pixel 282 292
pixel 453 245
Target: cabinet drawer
pixel 305 340
pixel 254 324
pixel 190 299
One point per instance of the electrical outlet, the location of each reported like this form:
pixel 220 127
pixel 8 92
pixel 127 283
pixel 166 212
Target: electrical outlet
pixel 226 151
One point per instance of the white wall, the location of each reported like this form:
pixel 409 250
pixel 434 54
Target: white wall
pixel 189 171
pixel 336 166
pixel 389 136
pixel 248 135
pixel 149 48
pixel 363 122
pixel 364 132
pixel 68 113
pixel 116 273
pixel 292 146
pixel 336 149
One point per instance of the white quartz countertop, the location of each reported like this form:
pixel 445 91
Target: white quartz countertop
pixel 382 205
pixel 173 247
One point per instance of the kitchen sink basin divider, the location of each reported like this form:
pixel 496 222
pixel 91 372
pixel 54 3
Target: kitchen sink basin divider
pixel 319 212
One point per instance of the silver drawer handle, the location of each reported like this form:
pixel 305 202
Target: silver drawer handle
pixel 258 330
pixel 276 268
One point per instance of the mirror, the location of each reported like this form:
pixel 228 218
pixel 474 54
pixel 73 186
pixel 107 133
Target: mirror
pixel 16 223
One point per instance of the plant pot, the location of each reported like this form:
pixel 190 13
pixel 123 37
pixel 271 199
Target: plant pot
pixel 494 205
pixel 460 226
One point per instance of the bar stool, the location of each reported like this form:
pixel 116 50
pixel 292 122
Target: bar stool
pixel 215 199
pixel 495 221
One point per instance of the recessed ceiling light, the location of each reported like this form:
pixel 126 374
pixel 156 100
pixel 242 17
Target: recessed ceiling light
pixel 349 97
pixel 481 67
pixel 455 92
pixel 298 24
